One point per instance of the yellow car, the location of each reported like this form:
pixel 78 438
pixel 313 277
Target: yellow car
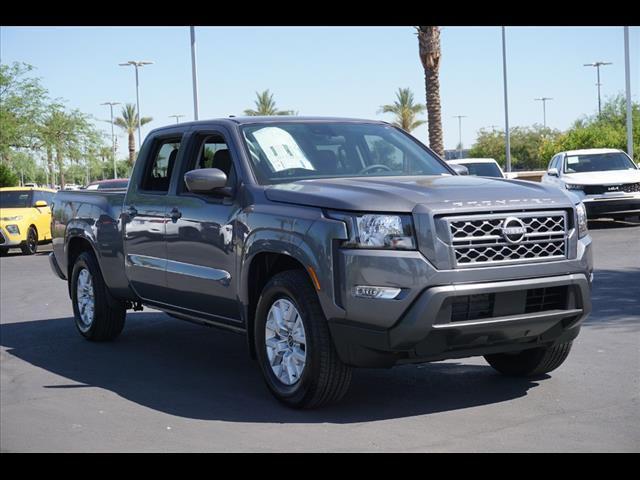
pixel 25 218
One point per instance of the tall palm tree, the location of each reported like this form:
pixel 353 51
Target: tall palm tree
pixel 405 110
pixel 129 123
pixel 266 105
pixel 429 51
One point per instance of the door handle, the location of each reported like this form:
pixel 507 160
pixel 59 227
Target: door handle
pixel 175 214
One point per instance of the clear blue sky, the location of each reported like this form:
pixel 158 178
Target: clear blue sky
pixel 329 70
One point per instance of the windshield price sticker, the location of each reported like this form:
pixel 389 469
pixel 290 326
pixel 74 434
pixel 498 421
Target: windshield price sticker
pixel 281 149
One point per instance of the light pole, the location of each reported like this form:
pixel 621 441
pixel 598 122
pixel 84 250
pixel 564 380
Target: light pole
pixel 506 104
pixel 136 64
pixel 544 108
pixel 177 117
pixel 194 72
pixel 598 65
pixel 627 78
pixel 459 117
pixel 113 137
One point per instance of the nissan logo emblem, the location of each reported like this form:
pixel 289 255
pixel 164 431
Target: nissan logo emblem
pixel 513 230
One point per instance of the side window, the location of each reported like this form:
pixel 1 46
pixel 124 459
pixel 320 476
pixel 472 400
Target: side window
pixel 552 163
pixel 158 173
pixel 213 153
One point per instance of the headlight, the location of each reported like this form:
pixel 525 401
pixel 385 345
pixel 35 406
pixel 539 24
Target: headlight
pixel 11 219
pixel 13 229
pixel 367 230
pixel 582 220
pixel 571 186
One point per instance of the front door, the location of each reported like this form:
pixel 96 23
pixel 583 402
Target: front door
pixel 201 252
pixel 144 220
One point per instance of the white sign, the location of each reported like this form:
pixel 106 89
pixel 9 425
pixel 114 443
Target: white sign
pixel 281 149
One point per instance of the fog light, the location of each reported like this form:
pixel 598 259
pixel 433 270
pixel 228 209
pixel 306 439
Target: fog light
pixel 384 293
pixel 13 229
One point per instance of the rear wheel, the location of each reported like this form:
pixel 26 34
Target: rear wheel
pixel 532 362
pixel 31 243
pixel 4 251
pixel 294 347
pixel 97 316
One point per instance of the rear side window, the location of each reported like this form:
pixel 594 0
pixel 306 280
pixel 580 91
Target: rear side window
pixel 158 172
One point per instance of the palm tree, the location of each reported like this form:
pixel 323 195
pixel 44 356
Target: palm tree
pixel 429 51
pixel 265 105
pixel 129 123
pixel 405 110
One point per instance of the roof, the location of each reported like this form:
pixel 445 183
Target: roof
pixel 245 120
pixel 8 189
pixel 592 151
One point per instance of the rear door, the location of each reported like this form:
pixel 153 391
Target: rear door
pixel 144 218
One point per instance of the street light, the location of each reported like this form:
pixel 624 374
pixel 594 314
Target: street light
pixel 544 108
pixel 137 64
pixel 113 137
pixel 177 117
pixel 459 117
pixel 598 65
pixel 506 104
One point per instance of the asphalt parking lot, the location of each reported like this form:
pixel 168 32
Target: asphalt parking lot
pixel 167 385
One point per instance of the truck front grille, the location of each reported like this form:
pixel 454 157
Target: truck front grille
pixel 481 239
pixel 600 189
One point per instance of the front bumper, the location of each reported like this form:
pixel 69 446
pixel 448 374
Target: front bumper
pixel 419 326
pixel 599 206
pixel 8 240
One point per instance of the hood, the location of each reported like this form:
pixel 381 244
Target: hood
pixel 13 212
pixel 603 178
pixel 406 194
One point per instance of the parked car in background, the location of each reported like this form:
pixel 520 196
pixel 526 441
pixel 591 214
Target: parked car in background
pixel 112 184
pixel 31 185
pixel 606 180
pixel 25 218
pixel 481 167
pixel 72 186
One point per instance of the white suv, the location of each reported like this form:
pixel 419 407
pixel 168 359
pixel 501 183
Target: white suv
pixel 605 179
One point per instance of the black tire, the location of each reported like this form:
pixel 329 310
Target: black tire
pixel 3 251
pixel 108 315
pixel 530 363
pixel 30 246
pixel 324 379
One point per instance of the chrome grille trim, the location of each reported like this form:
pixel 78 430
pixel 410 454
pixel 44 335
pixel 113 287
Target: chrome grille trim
pixel 477 240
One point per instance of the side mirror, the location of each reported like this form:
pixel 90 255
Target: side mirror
pixel 553 172
pixel 459 169
pixel 206 180
pixel 40 203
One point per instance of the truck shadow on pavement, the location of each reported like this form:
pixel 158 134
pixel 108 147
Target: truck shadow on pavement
pixel 194 372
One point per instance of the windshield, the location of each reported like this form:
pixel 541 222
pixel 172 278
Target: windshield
pixel 484 169
pixel 15 199
pixel 284 152
pixel 598 163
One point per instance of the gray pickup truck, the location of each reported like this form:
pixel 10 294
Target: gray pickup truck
pixel 330 244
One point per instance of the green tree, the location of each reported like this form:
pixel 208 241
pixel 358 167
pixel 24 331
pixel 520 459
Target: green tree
pixel 266 105
pixel 405 110
pixel 430 52
pixel 22 102
pixel 607 131
pixel 526 146
pixel 129 123
pixel 7 177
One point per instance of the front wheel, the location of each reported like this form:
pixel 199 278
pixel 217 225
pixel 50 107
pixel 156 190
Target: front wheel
pixel 97 316
pixel 30 246
pixel 532 362
pixel 293 344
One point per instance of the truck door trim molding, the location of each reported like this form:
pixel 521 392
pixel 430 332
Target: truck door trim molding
pixel 181 268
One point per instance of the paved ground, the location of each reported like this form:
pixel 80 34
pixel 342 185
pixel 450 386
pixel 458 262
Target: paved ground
pixel 165 385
